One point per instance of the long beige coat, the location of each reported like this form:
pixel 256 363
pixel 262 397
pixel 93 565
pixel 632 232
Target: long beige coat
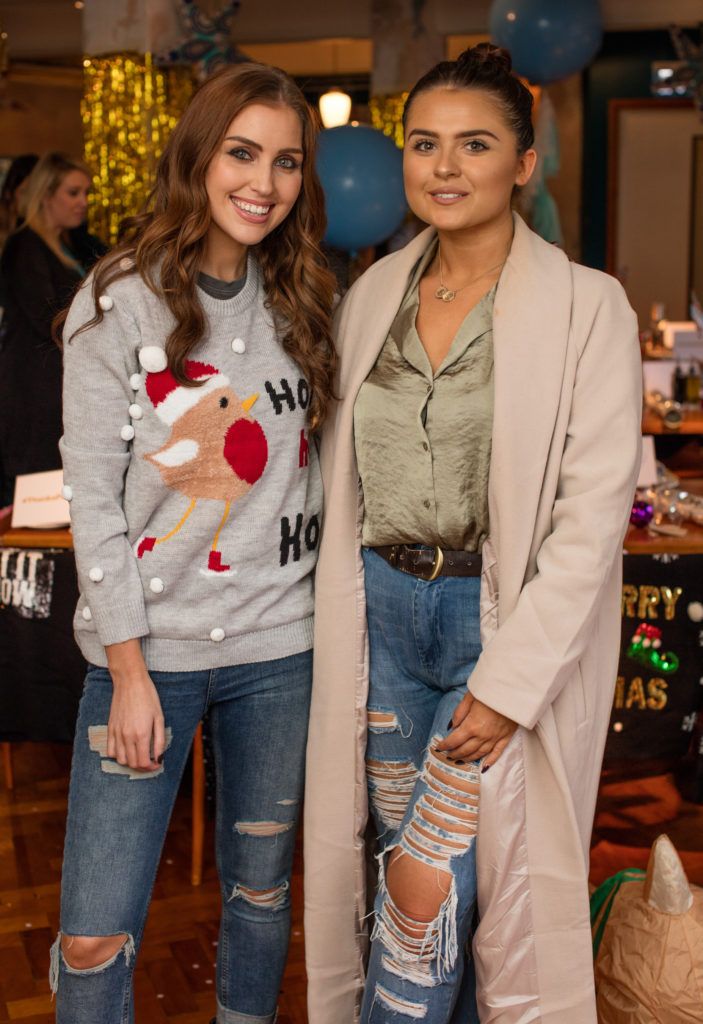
pixel 565 455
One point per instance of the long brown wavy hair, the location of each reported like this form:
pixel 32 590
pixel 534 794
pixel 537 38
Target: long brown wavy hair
pixel 166 242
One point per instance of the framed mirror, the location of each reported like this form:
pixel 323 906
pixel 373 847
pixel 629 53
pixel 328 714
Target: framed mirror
pixel 652 210
pixel 696 244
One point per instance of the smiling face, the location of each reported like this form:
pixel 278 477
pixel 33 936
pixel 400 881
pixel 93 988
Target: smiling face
pixel 460 162
pixel 67 207
pixel 254 179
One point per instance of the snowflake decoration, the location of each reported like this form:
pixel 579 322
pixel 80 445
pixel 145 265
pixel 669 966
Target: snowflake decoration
pixel 665 557
pixel 207 45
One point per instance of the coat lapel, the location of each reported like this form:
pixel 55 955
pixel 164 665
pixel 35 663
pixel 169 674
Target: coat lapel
pixel 531 321
pixel 382 291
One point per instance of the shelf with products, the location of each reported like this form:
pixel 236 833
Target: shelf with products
pixel 692 423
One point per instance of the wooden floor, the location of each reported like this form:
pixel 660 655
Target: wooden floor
pixel 175 974
pixel 174 979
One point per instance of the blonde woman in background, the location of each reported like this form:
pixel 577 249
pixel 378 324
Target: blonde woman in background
pixel 42 263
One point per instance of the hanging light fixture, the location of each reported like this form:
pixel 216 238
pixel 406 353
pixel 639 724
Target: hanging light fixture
pixel 335 108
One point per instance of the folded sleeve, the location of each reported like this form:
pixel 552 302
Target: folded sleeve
pixel 96 397
pixel 536 649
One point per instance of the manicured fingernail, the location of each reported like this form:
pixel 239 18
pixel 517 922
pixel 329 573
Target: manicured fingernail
pixel 485 769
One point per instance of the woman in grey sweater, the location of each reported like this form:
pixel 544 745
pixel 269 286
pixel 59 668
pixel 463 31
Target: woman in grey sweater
pixel 197 360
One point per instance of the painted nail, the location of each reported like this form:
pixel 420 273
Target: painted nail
pixel 485 769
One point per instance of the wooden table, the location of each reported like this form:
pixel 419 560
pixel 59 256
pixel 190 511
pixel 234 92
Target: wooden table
pixel 24 538
pixel 644 542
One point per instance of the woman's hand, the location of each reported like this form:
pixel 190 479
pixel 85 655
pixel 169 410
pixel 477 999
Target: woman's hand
pixel 135 730
pixel 478 732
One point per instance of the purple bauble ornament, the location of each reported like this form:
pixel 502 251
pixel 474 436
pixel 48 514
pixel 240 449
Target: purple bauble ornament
pixel 641 514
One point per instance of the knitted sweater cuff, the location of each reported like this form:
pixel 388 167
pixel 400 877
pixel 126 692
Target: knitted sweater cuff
pixel 117 623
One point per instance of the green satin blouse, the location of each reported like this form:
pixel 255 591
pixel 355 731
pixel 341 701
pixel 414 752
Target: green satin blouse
pixel 423 440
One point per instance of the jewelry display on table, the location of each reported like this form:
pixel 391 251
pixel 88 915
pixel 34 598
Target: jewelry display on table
pixel 668 410
pixel 665 507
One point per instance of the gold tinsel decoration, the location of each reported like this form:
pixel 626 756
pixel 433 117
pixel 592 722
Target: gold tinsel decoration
pixel 387 111
pixel 130 105
pixel 387 115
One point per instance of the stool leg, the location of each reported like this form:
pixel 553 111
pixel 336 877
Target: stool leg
pixel 7 765
pixel 196 868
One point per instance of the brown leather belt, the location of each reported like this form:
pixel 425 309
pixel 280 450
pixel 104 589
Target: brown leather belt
pixel 429 563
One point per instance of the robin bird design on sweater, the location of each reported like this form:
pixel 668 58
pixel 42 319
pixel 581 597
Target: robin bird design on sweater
pixel 216 450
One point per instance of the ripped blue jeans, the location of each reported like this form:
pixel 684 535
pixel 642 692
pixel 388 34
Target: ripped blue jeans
pixel 117 822
pixel 424 641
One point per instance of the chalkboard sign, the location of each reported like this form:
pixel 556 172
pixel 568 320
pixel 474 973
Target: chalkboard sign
pixel 41 668
pixel 659 688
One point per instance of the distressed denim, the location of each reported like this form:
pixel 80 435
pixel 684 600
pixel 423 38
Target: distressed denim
pixel 424 641
pixel 117 822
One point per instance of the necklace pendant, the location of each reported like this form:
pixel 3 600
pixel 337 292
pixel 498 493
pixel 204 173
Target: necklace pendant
pixel 449 295
pixel 441 292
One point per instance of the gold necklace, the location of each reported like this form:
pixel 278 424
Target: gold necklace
pixel 449 294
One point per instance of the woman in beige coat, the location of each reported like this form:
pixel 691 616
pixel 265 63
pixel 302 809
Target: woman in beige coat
pixel 547 353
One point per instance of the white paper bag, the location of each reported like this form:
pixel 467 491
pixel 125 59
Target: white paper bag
pixel 38 501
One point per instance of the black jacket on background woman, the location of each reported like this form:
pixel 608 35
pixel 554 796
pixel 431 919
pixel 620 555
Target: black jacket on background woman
pixel 36 286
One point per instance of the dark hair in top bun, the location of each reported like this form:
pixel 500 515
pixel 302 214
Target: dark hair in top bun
pixel 488 68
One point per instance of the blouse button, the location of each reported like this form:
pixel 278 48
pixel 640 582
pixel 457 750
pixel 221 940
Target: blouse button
pixel 427 503
pixel 217 634
pixel 425 446
pixel 239 346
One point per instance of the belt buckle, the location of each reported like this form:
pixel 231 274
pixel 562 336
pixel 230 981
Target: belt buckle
pixel 437 564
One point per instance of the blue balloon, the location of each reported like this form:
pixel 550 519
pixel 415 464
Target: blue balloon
pixel 548 39
pixel 361 170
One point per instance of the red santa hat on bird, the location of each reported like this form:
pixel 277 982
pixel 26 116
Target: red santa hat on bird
pixel 169 398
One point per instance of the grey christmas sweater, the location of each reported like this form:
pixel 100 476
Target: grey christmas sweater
pixel 195 511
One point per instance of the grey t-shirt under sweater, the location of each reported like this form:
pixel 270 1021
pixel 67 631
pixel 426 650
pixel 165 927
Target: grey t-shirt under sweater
pixel 196 512
pixel 219 289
